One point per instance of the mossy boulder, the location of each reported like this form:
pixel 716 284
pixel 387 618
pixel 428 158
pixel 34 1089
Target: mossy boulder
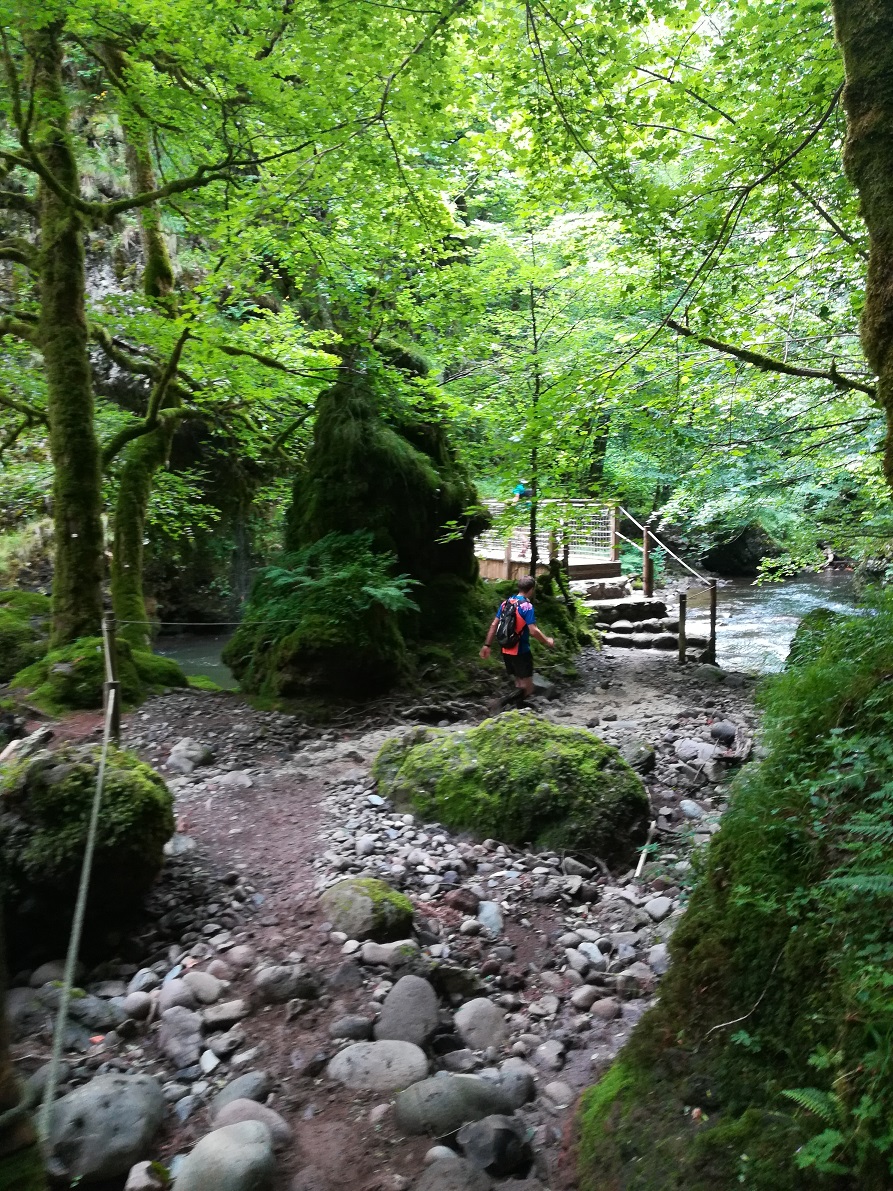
pixel 365 908
pixel 523 780
pixel 810 635
pixel 24 630
pixel 72 678
pixel 45 804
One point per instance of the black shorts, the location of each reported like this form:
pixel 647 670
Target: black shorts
pixel 519 665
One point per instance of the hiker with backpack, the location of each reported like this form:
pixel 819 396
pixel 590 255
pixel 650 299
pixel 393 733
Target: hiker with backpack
pixel 512 628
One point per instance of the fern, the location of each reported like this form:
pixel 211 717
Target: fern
pixel 825 1105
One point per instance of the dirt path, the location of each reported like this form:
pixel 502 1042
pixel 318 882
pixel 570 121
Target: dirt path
pixel 281 811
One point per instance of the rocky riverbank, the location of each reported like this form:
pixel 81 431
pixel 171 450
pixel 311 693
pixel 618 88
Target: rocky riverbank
pixel 261 1025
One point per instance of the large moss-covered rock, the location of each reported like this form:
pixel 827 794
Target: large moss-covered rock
pixel 72 677
pixel 45 804
pixel 365 908
pixel 24 630
pixel 521 779
pixel 765 1062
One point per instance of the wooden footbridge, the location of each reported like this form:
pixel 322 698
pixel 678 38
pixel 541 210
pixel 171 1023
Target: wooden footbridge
pixel 583 538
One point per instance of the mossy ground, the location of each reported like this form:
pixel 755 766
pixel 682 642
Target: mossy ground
pixel 24 630
pixel 46 801
pixel 72 678
pixel 520 779
pixel 782 964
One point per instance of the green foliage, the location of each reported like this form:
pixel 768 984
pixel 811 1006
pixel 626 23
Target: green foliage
pixel 72 678
pixel 520 779
pixel 329 619
pixel 45 803
pixel 24 630
pixel 789 930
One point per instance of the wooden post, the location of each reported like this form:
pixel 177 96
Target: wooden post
pixel 111 674
pixel 711 647
pixel 647 567
pixel 683 645
pixel 508 559
pixel 615 541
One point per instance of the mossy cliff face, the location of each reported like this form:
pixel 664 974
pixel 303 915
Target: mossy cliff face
pixel 24 629
pixel 45 803
pixel 72 678
pixel 781 966
pixel 520 779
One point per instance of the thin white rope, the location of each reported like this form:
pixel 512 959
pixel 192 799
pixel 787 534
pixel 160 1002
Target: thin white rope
pixel 45 1120
pixel 701 578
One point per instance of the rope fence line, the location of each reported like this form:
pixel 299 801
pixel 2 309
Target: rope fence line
pixel 45 1118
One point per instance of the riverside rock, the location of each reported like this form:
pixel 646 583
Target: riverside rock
pixel 253 1085
pixel 249 1110
pixel 383 1066
pixel 496 1144
pixel 180 1035
pixel 236 1158
pixel 410 1011
pixel 365 908
pixel 444 1103
pixel 453 1174
pixel 279 983
pixel 101 1129
pixel 480 1024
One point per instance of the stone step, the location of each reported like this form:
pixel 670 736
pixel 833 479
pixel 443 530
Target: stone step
pixel 662 641
pixel 634 608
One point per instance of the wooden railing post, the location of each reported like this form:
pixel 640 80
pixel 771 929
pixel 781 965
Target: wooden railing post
pixel 683 644
pixel 711 648
pixel 508 559
pixel 615 541
pixel 112 685
pixel 647 566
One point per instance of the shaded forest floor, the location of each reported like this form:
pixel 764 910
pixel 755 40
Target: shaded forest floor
pixel 282 810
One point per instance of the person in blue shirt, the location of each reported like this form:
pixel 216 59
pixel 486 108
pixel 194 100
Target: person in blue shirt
pixel 518 659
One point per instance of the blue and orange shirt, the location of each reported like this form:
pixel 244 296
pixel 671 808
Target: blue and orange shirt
pixel 524 614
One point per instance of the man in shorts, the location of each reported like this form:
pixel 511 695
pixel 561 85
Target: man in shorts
pixel 518 659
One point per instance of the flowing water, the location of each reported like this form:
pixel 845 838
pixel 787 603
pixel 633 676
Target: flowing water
pixel 199 654
pixel 755 625
pixel 753 631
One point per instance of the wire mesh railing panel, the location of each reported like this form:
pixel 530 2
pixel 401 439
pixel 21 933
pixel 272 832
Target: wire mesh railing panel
pixel 578 527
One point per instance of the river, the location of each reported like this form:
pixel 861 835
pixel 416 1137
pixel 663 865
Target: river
pixel 755 625
pixel 753 631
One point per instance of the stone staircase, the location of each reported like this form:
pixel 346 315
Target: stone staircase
pixel 629 620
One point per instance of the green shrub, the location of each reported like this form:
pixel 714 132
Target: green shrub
pixel 24 630
pixel 520 779
pixel 776 1019
pixel 72 678
pixel 328 619
pixel 45 803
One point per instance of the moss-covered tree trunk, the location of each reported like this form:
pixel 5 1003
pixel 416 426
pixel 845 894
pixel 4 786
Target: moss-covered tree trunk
pixel 865 34
pixel 21 1164
pixel 146 455
pixel 77 501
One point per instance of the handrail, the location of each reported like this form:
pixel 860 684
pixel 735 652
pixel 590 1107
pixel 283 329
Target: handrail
pixel 701 578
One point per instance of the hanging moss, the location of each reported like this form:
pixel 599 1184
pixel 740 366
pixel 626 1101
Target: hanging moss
pixel 46 801
pixel 376 466
pixel 72 678
pixel 520 779
pixel 780 972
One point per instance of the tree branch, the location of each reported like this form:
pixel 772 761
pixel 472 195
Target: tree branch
pixel 769 364
pixel 829 219
pixel 18 250
pixel 9 325
pixel 12 200
pixel 156 400
pixel 21 407
pixel 270 361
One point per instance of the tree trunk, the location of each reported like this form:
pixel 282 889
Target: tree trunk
pixel 21 1164
pixel 865 35
pixel 146 455
pixel 77 499
pixel 142 460
pixel 598 432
